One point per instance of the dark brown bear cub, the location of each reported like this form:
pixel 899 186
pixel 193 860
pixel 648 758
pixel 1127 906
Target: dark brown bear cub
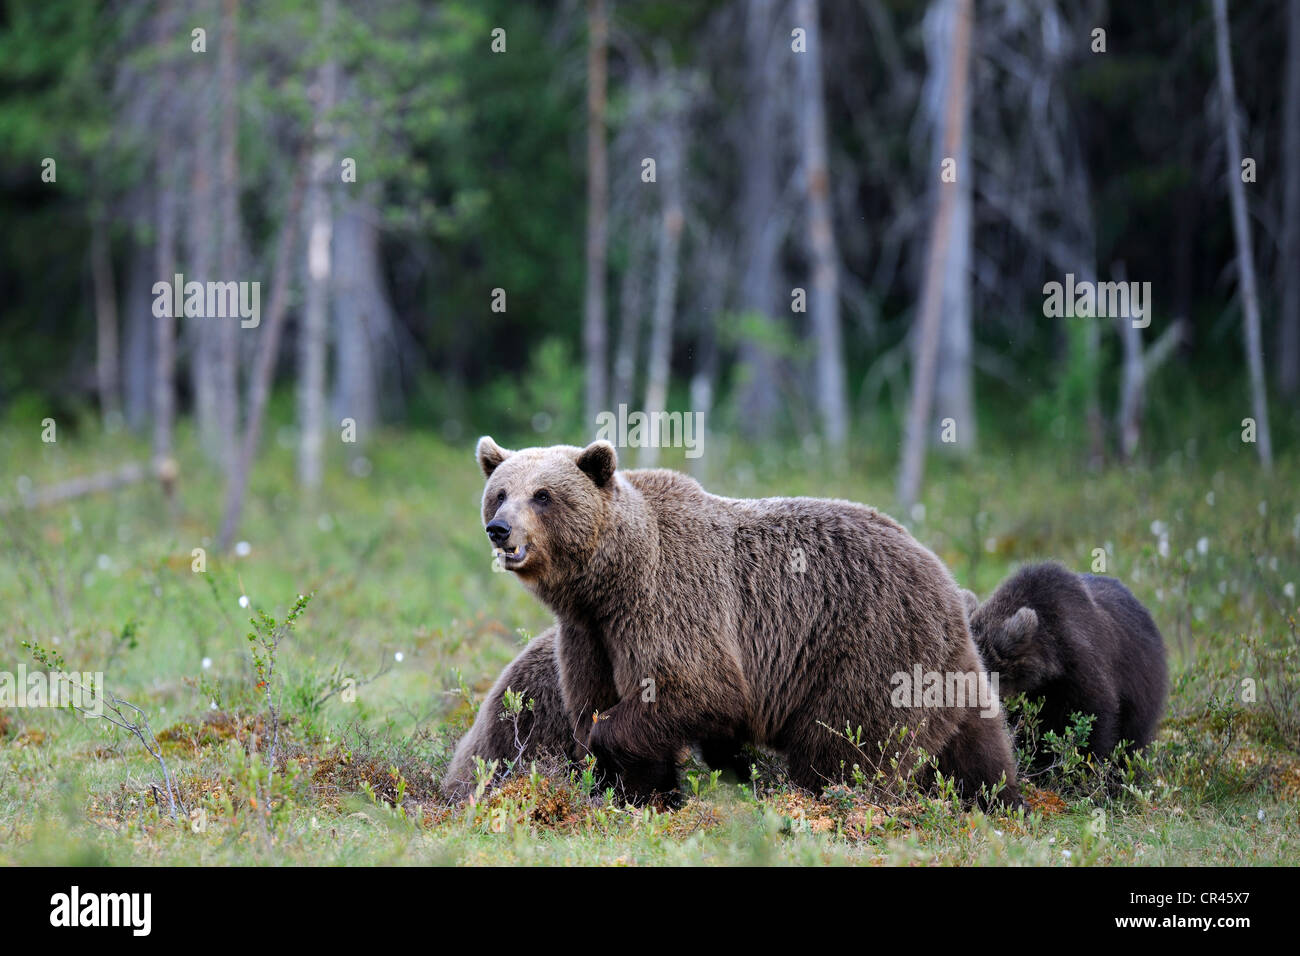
pixel 1082 643
pixel 689 617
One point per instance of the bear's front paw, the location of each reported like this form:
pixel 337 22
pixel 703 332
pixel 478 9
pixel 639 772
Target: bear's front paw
pixel 600 732
pixel 638 779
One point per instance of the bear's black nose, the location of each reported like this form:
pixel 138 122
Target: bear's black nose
pixel 498 531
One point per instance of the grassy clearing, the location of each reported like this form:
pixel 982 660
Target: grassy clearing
pixel 406 622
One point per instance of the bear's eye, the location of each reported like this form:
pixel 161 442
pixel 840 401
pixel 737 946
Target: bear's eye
pixel 542 497
pixel 501 496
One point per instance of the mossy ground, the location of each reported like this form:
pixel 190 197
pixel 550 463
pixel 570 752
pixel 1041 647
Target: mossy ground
pixel 404 602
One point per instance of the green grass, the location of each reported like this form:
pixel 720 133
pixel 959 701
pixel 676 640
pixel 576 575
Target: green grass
pixel 395 564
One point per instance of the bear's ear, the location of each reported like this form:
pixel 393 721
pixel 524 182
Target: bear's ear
pixel 970 602
pixel 489 455
pixel 1019 628
pixel 599 461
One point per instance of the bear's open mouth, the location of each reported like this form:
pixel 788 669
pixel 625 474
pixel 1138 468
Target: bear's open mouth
pixel 513 556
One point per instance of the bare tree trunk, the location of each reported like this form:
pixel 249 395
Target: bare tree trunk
pixel 1138 366
pixel 759 227
pixel 1289 344
pixel 594 325
pixel 165 215
pixel 1089 342
pixel 954 396
pixel 201 235
pixel 164 387
pixel 138 334
pixel 363 317
pixel 259 385
pixel 665 304
pixel 630 304
pixel 1241 228
pixel 107 377
pixel 716 266
pixel 227 367
pixel 954 383
pixel 314 336
pixel 825 298
pixel 918 418
pixel 1132 395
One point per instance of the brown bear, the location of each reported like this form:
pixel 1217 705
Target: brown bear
pixel 541 729
pixel 1081 642
pixel 685 616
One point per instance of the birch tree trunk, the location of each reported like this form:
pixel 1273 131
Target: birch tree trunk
pixel 665 302
pixel 107 376
pixel 822 253
pixel 716 267
pixel 954 383
pixel 759 225
pixel 1289 343
pixel 363 317
pixel 915 439
pixel 227 329
pixel 1241 229
pixel 594 324
pixel 164 381
pixel 259 384
pixel 138 336
pixel 1132 394
pixel 200 251
pixel 630 303
pixel 165 216
pixel 954 396
pixel 315 329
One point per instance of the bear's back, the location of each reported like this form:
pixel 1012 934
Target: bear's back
pixel 1139 666
pixel 810 589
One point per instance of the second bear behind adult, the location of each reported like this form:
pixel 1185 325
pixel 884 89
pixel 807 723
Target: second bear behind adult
pixel 685 616
pixel 1083 644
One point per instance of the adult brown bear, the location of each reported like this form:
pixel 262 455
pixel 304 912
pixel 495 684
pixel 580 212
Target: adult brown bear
pixel 685 616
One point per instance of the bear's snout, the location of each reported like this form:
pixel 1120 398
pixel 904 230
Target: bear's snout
pixel 498 531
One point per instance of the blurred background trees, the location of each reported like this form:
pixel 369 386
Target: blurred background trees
pixel 504 216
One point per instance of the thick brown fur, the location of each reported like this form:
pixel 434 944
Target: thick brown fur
pixel 1082 643
pixel 542 729
pixel 685 616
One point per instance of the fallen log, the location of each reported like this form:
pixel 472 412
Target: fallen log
pixel 166 471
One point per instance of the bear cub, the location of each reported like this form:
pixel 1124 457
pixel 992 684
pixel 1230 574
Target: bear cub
pixel 540 730
pixel 1081 642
